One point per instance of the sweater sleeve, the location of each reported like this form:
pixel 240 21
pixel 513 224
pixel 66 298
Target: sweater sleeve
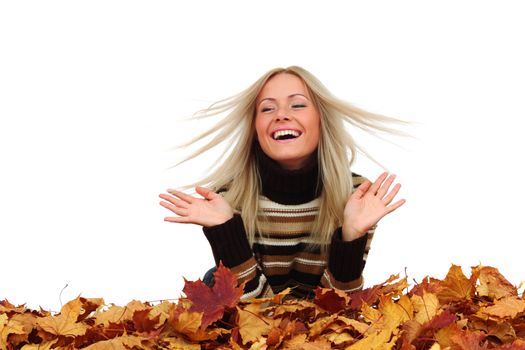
pixel 346 262
pixel 230 245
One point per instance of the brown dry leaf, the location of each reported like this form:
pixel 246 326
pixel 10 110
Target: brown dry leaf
pixel 508 307
pixel 65 323
pixel 492 283
pixel 252 325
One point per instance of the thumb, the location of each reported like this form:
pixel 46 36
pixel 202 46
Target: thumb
pixel 206 192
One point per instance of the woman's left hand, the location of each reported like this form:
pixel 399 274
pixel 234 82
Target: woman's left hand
pixel 368 204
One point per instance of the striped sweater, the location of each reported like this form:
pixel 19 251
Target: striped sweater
pixel 279 257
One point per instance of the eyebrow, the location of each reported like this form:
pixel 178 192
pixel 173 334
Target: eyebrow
pixel 289 96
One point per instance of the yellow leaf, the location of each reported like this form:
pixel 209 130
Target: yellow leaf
pixel 188 322
pixel 252 325
pixel 117 314
pixel 42 346
pixel 380 341
pixel 358 326
pixel 8 327
pixel 259 345
pixel 339 338
pixel 425 307
pixel 181 344
pixel 321 324
pixel 65 323
pixel 123 342
pixel 393 313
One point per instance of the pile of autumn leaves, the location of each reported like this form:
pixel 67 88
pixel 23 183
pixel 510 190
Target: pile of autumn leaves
pixel 480 312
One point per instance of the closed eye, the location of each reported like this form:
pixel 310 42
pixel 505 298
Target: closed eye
pixel 266 109
pixel 299 106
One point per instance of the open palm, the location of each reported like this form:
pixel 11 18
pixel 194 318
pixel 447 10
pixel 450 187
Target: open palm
pixel 211 210
pixel 368 204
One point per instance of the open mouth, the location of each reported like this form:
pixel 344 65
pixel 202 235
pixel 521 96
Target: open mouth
pixel 281 135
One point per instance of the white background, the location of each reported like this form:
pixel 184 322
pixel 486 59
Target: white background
pixel 92 93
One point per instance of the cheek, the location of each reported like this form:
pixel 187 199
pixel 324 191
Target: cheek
pixel 260 128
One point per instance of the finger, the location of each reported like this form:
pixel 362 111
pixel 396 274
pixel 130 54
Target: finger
pixel 175 209
pixel 181 195
pixel 375 186
pixel 385 186
pixel 178 219
pixel 361 189
pixel 206 192
pixel 390 196
pixel 394 206
pixel 174 201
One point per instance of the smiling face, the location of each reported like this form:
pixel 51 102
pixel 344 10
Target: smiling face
pixel 287 121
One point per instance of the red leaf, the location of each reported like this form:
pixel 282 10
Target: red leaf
pixel 142 323
pixel 330 299
pixel 440 321
pixel 212 301
pixel 368 296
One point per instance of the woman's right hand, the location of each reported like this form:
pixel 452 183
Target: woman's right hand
pixel 209 211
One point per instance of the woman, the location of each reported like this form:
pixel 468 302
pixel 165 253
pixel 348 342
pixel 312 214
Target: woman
pixel 287 211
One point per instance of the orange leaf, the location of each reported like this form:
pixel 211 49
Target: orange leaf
pixel 492 283
pixel 455 286
pixel 506 307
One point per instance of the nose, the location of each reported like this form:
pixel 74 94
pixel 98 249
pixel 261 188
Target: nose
pixel 282 114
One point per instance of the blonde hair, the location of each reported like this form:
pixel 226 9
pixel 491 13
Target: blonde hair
pixel 238 171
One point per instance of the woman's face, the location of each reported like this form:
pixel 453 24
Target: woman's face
pixel 287 121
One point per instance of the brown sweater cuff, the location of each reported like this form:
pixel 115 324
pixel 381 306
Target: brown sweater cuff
pixel 229 242
pixel 346 258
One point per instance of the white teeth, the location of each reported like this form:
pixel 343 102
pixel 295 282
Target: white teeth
pixel 278 134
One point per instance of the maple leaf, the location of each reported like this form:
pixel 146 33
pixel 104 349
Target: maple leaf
pixel 428 285
pixel 426 307
pixel 123 342
pixel 506 307
pixel 468 340
pixel 252 325
pixel 65 323
pixel 142 323
pixel 455 286
pixel 212 301
pixel 492 283
pixel 332 300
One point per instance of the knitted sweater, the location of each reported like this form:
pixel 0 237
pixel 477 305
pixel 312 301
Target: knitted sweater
pixel 278 258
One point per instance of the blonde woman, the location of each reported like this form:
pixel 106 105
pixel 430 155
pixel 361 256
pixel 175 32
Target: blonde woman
pixel 284 209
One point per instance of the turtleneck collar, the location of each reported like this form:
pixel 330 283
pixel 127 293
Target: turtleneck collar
pixel 287 186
